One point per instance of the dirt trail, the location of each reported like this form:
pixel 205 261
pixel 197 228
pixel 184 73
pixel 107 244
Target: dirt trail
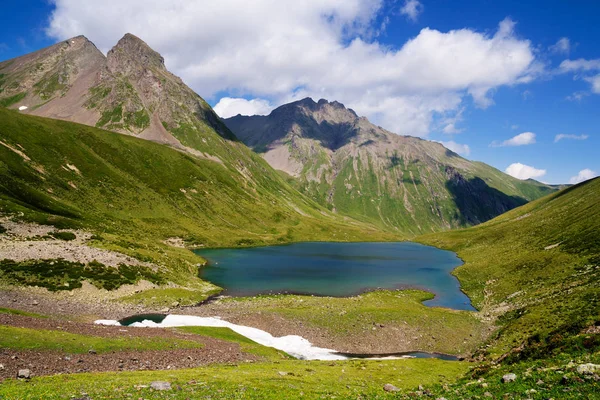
pixel 41 362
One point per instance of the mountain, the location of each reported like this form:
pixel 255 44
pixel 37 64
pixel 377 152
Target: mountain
pixel 535 271
pixel 355 168
pixel 128 91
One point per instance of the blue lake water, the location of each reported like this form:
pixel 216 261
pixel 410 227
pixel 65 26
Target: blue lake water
pixel 336 269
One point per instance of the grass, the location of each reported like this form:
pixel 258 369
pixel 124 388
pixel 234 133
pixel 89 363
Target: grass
pixel 535 268
pixel 273 380
pixel 9 101
pixel 247 345
pixel 40 340
pixel 360 318
pixel 20 312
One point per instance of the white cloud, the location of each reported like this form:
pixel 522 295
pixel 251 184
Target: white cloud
pixel 462 149
pixel 595 81
pixel 522 171
pixel 281 51
pixel 582 66
pixel 583 175
pixel 579 65
pixel 412 9
pixel 577 96
pixel 229 107
pixel 562 136
pixel 521 139
pixel 563 46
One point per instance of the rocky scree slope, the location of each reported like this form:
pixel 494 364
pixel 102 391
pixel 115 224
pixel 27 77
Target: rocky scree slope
pixel 400 183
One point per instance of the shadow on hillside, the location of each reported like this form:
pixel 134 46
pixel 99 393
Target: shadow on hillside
pixel 477 202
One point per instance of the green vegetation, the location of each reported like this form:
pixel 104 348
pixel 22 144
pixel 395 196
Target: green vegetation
pixel 247 345
pixel 111 116
pixel 370 317
pixel 9 101
pixel 67 236
pixel 535 268
pixel 97 94
pixel 20 312
pixel 272 380
pixel 40 339
pixel 47 87
pixel 138 119
pixel 60 274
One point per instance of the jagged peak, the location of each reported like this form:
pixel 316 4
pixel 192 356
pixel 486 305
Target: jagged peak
pixel 129 50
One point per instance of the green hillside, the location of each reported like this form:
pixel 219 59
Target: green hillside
pixel 134 194
pixel 536 271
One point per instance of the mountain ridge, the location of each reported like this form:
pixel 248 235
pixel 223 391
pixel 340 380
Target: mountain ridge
pixel 402 183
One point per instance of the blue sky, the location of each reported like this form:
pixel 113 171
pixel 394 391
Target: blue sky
pixel 466 73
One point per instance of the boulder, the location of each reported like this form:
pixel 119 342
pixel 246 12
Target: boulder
pixel 588 369
pixel 24 374
pixel 388 387
pixel 509 378
pixel 159 385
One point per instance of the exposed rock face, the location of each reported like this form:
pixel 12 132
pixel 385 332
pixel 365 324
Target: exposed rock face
pixel 359 169
pixel 128 91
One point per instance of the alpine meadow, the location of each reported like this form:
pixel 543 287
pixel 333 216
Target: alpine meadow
pixel 316 225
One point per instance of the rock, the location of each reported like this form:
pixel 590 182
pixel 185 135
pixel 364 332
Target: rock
pixel 282 373
pixel 488 394
pixel 509 378
pixel 34 303
pixel 441 398
pixel 92 351
pixel 1 366
pixel 175 304
pixel 540 382
pixel 24 374
pixel 159 385
pixel 388 387
pixel 588 369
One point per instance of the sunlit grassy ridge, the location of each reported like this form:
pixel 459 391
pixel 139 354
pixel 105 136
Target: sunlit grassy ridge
pixel 537 268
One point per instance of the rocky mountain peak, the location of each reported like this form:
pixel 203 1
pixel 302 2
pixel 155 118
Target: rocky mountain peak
pixel 323 110
pixel 130 53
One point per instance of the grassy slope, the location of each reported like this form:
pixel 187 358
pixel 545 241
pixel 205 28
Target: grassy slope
pixel 536 268
pixel 40 339
pixel 136 193
pixel 281 380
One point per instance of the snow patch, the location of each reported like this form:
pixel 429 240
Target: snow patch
pixel 294 345
pixel 23 108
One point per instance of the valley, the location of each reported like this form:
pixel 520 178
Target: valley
pixel 123 193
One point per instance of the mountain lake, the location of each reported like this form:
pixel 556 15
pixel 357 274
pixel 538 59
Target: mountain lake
pixel 336 269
